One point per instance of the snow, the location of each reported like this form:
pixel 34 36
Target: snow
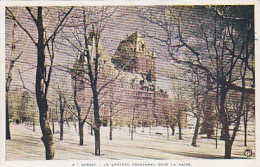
pixel 27 145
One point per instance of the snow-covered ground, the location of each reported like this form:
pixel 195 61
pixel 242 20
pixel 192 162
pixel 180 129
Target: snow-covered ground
pixel 27 145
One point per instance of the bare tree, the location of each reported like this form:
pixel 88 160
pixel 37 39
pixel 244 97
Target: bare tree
pixel 114 101
pixel 43 78
pixel 200 100
pixel 174 111
pixel 60 99
pixel 9 79
pixel 133 124
pixel 198 111
pixel 62 102
pixel 79 84
pixel 93 21
pixel 180 109
pixel 219 42
pixel 248 112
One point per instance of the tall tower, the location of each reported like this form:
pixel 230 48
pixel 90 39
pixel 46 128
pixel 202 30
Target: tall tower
pixel 132 55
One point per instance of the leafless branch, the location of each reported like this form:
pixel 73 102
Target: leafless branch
pixel 57 29
pixel 24 83
pixel 21 26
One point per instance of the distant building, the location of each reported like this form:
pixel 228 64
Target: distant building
pixel 133 56
pixel 133 95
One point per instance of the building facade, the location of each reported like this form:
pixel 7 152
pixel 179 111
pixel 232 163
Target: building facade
pixel 129 93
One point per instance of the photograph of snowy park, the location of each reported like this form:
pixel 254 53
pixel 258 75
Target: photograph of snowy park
pixel 130 82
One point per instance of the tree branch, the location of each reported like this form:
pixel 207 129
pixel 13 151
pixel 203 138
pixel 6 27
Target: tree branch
pixel 20 25
pixel 57 29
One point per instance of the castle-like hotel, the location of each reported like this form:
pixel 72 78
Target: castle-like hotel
pixel 128 85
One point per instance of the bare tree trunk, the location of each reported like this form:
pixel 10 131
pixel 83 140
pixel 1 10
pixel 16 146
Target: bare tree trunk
pixel 75 126
pixel 168 136
pixel 226 138
pixel 33 125
pixel 132 126
pixel 223 118
pixel 173 129
pixel 61 125
pixel 228 147
pixel 198 114
pixel 97 121
pixel 179 124
pixel 8 135
pixel 245 126
pixel 129 129
pixel 132 132
pixel 224 122
pixel 180 134
pixel 245 133
pixel 222 134
pixel 91 131
pixel 53 126
pixel 196 132
pixel 216 134
pixel 238 118
pixel 41 94
pixel 61 116
pixel 150 126
pixel 67 121
pixel 97 141
pixel 80 121
pixel 81 133
pixel 47 137
pixel 111 128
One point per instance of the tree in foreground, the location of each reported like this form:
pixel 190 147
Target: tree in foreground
pixel 43 76
pixel 220 43
pixel 92 21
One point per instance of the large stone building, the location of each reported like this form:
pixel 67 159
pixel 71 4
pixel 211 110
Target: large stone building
pixel 133 56
pixel 128 82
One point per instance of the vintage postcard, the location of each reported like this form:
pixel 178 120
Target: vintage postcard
pixel 129 83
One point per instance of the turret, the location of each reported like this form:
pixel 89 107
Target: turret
pixel 133 56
